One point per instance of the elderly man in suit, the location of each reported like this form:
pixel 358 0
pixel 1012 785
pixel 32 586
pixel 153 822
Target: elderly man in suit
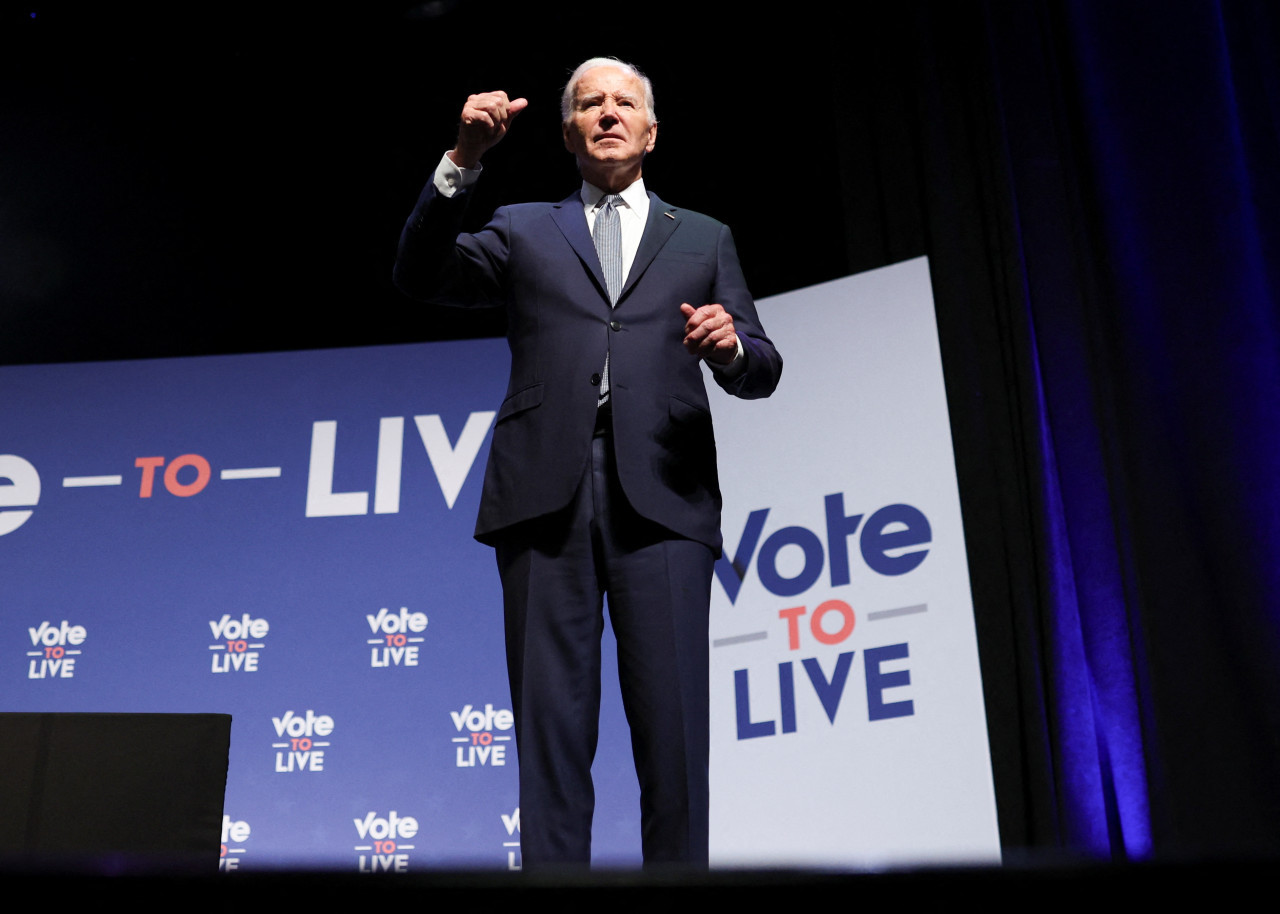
pixel 602 470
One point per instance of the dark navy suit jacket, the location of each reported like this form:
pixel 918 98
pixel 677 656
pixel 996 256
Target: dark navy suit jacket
pixel 538 262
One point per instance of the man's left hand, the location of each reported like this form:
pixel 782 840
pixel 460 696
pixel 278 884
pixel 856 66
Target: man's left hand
pixel 709 333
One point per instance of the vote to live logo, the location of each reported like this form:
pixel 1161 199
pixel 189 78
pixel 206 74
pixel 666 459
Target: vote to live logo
pixel 234 833
pixel 395 637
pixel 56 648
pixel 188 475
pixel 477 746
pixel 386 852
pixel 894 541
pixel 512 845
pixel 301 751
pixel 238 642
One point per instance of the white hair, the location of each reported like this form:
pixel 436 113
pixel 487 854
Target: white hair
pixel 570 88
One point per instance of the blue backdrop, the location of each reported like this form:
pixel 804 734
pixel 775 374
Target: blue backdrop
pixel 169 565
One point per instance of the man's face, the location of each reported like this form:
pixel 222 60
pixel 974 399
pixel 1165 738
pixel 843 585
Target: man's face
pixel 608 128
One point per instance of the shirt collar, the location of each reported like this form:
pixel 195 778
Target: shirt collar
pixel 633 196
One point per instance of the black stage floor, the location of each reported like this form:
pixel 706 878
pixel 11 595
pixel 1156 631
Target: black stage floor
pixel 1070 883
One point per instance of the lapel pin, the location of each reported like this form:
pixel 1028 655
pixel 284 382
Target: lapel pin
pixel 669 215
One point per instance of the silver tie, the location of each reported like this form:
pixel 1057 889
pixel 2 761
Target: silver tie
pixel 607 235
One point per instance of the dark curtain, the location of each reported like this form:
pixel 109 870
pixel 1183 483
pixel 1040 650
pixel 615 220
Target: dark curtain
pixel 1098 188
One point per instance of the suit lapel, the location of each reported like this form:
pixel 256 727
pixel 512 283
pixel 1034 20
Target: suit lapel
pixel 658 227
pixel 569 218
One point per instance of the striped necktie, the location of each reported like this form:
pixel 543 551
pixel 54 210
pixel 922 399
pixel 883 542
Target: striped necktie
pixel 607 235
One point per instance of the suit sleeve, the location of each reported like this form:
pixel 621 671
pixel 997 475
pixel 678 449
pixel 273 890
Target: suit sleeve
pixel 437 264
pixel 763 363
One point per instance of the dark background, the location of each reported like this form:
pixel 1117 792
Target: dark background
pixel 231 179
pixel 1096 184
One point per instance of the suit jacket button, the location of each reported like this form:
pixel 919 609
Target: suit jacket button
pixel 595 380
pixel 614 325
